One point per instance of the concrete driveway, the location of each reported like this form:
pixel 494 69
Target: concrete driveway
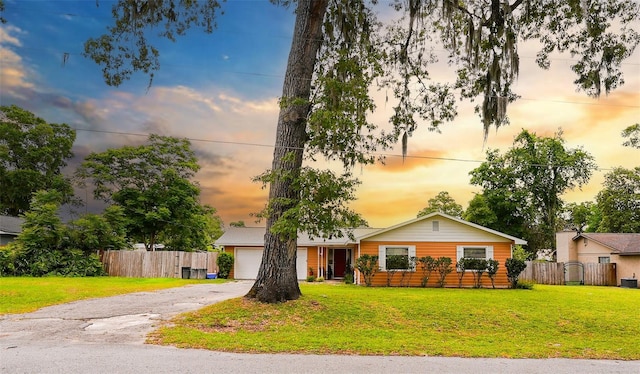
pixel 107 335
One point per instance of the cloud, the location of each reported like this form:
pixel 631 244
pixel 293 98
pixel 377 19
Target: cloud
pixel 13 74
pixel 7 38
pixel 420 158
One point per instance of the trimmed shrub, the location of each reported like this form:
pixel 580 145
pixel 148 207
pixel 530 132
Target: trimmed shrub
pixel 514 268
pixel 443 266
pixel 367 265
pixel 492 270
pixel 427 265
pixel 461 268
pixel 225 263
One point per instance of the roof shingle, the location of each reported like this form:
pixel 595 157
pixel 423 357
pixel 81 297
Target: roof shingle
pixel 11 225
pixel 624 244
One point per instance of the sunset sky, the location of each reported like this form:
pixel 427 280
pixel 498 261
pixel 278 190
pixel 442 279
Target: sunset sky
pixel 221 91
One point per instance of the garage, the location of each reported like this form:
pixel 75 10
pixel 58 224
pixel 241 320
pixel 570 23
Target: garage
pixel 247 262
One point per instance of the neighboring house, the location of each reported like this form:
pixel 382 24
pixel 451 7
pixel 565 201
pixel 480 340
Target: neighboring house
pixel 620 249
pixel 435 235
pixel 10 227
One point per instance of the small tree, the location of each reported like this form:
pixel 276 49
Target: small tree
pixel 514 268
pixel 225 262
pixel 44 246
pixel 443 266
pixel 477 266
pixel 427 265
pixel 405 280
pixel 367 265
pixel 93 232
pixel 461 268
pixel 395 263
pixel 492 270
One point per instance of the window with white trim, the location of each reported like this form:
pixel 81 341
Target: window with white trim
pixel 474 251
pixel 604 260
pixel 396 257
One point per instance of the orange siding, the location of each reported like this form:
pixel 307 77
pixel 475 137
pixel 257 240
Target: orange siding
pixel 501 251
pixel 312 260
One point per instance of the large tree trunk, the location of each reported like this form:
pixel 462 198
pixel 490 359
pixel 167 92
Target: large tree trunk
pixel 277 278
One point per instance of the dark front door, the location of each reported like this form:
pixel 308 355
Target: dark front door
pixel 339 262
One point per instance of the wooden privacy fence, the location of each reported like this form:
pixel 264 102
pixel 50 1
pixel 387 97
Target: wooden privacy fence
pixel 554 273
pixel 543 272
pixel 158 264
pixel 600 274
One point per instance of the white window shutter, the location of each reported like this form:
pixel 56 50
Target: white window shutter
pixel 382 257
pixel 489 252
pixel 459 252
pixel 412 251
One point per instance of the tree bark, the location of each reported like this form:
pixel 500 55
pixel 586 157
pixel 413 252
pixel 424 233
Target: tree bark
pixel 277 279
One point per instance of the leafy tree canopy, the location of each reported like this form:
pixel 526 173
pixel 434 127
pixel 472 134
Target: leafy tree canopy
pixel 479 211
pixel 619 201
pixel 525 185
pixel 151 183
pixel 443 203
pixel 237 224
pixel 632 133
pixel 579 216
pixel 32 156
pixel 93 232
pixel 46 246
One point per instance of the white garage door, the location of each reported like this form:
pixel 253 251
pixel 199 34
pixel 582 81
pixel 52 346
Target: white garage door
pixel 247 263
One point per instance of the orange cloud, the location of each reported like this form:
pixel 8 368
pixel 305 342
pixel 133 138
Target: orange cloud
pixel 394 163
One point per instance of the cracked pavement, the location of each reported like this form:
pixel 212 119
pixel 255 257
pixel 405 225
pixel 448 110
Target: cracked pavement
pixel 122 319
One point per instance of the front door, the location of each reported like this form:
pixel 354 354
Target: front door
pixel 339 262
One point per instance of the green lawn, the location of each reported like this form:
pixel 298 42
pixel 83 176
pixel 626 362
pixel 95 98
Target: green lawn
pixel 24 294
pixel 549 321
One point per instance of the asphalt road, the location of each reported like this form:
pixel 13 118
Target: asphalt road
pixel 107 336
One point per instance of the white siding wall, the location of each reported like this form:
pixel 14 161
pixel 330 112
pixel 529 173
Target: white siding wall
pixel 449 231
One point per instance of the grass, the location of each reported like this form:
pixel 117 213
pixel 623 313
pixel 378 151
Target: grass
pixel 24 294
pixel 549 321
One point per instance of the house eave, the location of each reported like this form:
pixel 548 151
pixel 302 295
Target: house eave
pixel 455 219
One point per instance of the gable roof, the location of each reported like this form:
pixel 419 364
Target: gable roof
pixel 254 236
pixel 10 225
pixel 446 216
pixel 623 244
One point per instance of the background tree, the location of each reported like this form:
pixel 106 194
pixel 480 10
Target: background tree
pixel 479 211
pixel 632 133
pixel 340 48
pixel 237 224
pixel 579 216
pixel 443 203
pixel 93 232
pixel 529 180
pixel 198 229
pixel 32 155
pixel 619 201
pixel 151 183
pixel 45 245
pixel 41 241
